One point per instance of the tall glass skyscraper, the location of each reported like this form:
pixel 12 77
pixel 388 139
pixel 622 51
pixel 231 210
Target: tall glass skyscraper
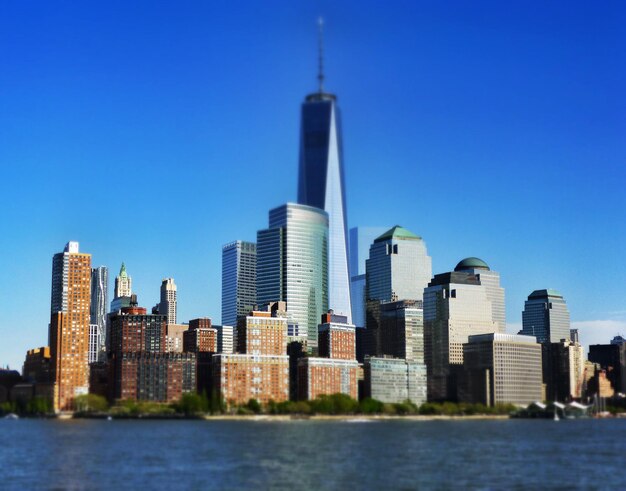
pixel 98 308
pixel 238 280
pixel 292 264
pixel 321 184
pixel 546 317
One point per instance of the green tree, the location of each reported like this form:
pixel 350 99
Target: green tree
pixel 90 403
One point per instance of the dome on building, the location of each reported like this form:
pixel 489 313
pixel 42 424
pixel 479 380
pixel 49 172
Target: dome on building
pixel 471 263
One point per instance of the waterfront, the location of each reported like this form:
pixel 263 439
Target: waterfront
pixel 489 454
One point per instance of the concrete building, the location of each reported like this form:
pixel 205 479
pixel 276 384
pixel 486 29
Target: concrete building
pixel 69 325
pixel 95 343
pixel 225 339
pixel 321 185
pixel 292 264
pixel 133 330
pixel 200 337
pixel 98 309
pixel 38 365
pixel 456 305
pixel 174 337
pixel 546 317
pixel 398 267
pixel 122 291
pixel 501 369
pixel 394 380
pixel 262 333
pixel 238 280
pixel 168 303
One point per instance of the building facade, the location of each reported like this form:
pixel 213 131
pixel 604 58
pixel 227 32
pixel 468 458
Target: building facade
pixel 546 317
pixel 394 380
pixel 321 185
pixel 69 325
pixel 326 376
pixel 612 359
pixel 501 369
pixel 456 306
pixel 292 264
pixel 168 303
pixel 99 306
pixel 238 280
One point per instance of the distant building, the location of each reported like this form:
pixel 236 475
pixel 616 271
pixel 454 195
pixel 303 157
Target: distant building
pixel 361 238
pixel 168 305
pixel 98 307
pixel 174 337
pixel 617 340
pixel 238 280
pixel 501 369
pixel 336 337
pixel 95 342
pixel 122 291
pixel 398 267
pixel 292 264
pixel 456 305
pixel 225 339
pixel 563 370
pixel 37 365
pixel 201 339
pixel 326 376
pixel 546 317
pixel 69 325
pixel 133 330
pixel 612 359
pixel 394 380
pixel 573 336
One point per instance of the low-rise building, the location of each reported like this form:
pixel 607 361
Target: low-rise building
pixel 394 380
pixel 320 376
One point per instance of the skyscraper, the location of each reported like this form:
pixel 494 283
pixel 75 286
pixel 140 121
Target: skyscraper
pixel 321 185
pixel 292 264
pixel 99 304
pixel 167 306
pixel 238 280
pixel 456 306
pixel 546 317
pixel 122 291
pixel 361 238
pixel 69 324
pixel 398 267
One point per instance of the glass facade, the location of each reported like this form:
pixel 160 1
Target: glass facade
pixel 292 264
pixel 321 185
pixel 546 317
pixel 238 280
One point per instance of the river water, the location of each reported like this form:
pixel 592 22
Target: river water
pixel 397 454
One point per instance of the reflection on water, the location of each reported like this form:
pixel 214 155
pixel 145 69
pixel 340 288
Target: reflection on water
pixel 583 454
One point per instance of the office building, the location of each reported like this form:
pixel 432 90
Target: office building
pixel 95 343
pixel 238 280
pixel 612 359
pixel 292 264
pixel 174 337
pixel 361 238
pixel 122 291
pixel 491 281
pixel 321 185
pixel 225 339
pixel 398 267
pixel 98 308
pixel 167 306
pixel 394 380
pixel 69 325
pixel 546 317
pixel 501 369
pixel 456 306
pixel 326 376
pixel 336 337
pixel 563 370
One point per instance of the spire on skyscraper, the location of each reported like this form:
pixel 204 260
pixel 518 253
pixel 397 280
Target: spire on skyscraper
pixel 320 74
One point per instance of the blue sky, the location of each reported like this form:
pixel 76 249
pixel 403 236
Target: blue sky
pixel 155 132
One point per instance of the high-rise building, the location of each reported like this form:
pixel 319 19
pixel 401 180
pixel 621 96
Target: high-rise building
pixel 361 238
pixel 69 325
pixel 225 339
pixel 292 264
pixel 491 280
pixel 612 359
pixel 238 280
pixel 167 306
pixel 456 306
pixel 122 291
pixel 98 308
pixel 546 317
pixel 336 337
pixel 563 370
pixel 321 185
pixel 398 267
pixel 501 369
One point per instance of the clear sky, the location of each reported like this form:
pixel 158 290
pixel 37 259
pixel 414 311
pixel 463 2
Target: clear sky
pixel 155 132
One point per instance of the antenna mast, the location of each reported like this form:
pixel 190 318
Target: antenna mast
pixel 320 75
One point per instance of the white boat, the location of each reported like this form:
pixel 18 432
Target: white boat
pixel 11 416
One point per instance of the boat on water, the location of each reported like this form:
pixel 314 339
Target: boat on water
pixel 11 416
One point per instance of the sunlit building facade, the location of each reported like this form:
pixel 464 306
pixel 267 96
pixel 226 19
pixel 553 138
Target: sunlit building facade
pixel 546 317
pixel 238 280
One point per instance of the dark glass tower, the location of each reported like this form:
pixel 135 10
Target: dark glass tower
pixel 321 184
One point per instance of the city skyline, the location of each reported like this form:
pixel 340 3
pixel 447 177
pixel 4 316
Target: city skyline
pixel 461 233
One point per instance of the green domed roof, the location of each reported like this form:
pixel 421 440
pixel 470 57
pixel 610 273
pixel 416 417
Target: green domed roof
pixel 471 263
pixel 397 232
